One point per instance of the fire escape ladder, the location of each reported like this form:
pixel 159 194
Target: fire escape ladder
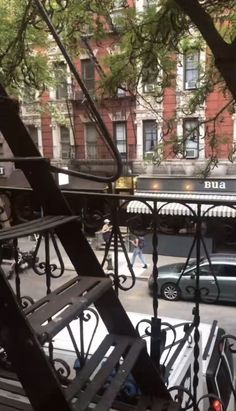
pixel 23 333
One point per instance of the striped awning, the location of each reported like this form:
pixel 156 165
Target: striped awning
pixel 227 209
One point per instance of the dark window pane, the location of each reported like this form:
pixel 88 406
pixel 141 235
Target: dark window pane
pixel 61 78
pixel 149 135
pixel 228 271
pixel 65 142
pixel 191 70
pixel 33 132
pixel 191 137
pixel 91 141
pixel 88 74
pixel 120 136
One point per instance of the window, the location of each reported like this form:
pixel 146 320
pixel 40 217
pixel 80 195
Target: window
pixel 65 142
pixel 191 138
pixel 117 12
pixel 91 141
pixel 149 79
pixel 149 136
pixel 149 3
pixel 119 3
pixel 120 136
pixel 61 78
pixel 28 95
pixel 88 74
pixel 33 132
pixel 121 92
pixel 227 270
pixel 191 70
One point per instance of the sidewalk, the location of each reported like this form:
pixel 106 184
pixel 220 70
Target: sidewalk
pixel 25 244
pixel 138 266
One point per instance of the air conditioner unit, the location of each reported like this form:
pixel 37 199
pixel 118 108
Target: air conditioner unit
pixel 190 85
pixel 65 155
pixel 70 95
pixel 191 153
pixel 76 95
pixel 148 88
pixel 148 155
pixel 121 92
pixel 119 116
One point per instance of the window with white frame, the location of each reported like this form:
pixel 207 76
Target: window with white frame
pixel 120 92
pixel 60 72
pixel 120 137
pixel 117 11
pixel 65 142
pixel 191 69
pixel 149 3
pixel 33 132
pixel 91 141
pixel 88 74
pixel 149 80
pixel 29 95
pixel 191 137
pixel 149 136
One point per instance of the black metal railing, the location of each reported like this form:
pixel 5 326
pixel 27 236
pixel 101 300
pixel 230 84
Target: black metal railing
pixel 99 152
pixel 48 264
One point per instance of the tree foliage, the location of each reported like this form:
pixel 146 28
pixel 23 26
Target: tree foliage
pixel 151 43
pixel 148 38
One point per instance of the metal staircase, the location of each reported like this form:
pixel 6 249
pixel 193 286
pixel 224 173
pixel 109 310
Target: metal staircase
pixel 22 334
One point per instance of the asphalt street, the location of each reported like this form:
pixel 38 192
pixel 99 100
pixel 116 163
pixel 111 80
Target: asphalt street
pixel 137 299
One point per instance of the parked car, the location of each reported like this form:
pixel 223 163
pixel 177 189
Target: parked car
pixel 217 279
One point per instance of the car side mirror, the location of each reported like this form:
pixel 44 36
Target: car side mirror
pixel 192 276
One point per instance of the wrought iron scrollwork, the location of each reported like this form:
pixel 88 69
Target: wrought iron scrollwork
pixel 179 397
pixel 62 369
pixel 85 317
pixel 26 301
pixel 46 267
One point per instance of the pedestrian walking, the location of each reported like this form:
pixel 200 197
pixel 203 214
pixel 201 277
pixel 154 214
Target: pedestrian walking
pixel 138 244
pixel 106 234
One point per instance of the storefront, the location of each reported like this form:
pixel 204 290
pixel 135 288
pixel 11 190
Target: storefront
pixel 176 216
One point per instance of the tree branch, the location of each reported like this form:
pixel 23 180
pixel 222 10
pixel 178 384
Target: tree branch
pixel 205 25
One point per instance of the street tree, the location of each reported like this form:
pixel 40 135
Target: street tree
pixel 150 43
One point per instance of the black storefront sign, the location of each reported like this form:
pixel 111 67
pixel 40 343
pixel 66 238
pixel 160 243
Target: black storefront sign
pixel 186 185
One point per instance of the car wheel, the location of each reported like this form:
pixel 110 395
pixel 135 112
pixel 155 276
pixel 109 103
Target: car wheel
pixel 170 292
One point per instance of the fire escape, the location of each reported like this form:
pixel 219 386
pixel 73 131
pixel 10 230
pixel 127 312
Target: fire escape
pixel 23 333
pixel 32 379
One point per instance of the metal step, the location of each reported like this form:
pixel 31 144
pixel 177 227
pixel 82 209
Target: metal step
pixel 13 397
pixel 156 404
pixel 35 226
pixel 55 311
pixel 121 353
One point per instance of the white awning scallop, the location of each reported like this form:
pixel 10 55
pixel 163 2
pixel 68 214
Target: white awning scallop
pixel 176 208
